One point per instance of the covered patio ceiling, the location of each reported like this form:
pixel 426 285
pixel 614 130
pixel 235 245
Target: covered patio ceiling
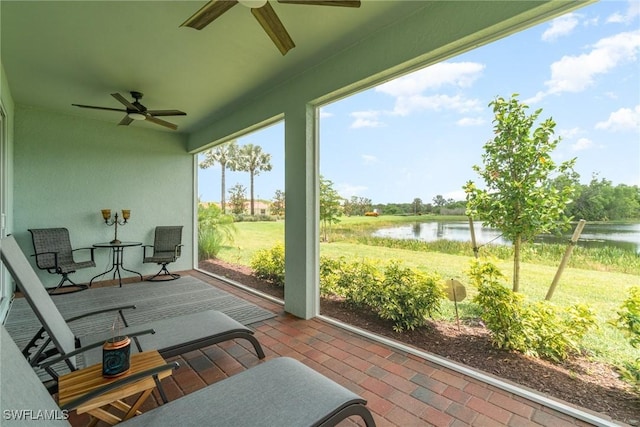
pixel 56 53
pixel 59 53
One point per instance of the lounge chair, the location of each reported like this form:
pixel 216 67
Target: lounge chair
pixel 279 392
pixel 170 336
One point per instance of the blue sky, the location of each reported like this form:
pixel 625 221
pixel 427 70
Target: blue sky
pixel 420 134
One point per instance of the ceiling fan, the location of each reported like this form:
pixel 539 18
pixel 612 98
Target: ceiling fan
pixel 136 111
pixel 264 13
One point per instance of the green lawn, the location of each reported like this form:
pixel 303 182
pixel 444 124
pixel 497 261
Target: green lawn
pixel 603 291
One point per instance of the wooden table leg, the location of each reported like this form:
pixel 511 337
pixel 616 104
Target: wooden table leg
pixel 101 414
pixel 134 408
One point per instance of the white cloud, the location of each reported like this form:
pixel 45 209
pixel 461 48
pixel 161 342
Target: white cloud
pixel 366 119
pixel 632 12
pixel 561 26
pixel 325 114
pixel 346 190
pixel 570 133
pixel 471 121
pixel 577 73
pixel 621 120
pixel 408 104
pixel 458 74
pixel 368 159
pixel 582 144
pixel 409 90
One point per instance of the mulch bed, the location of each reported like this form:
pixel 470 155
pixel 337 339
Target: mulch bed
pixel 589 384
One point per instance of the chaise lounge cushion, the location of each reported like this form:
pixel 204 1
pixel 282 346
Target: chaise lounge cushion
pixel 279 392
pixel 22 395
pixel 177 335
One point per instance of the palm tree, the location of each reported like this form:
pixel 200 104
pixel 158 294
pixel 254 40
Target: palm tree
pixel 224 154
pixel 251 159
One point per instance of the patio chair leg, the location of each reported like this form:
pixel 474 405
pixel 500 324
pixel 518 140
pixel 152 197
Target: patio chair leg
pixel 160 389
pixel 65 278
pixel 163 275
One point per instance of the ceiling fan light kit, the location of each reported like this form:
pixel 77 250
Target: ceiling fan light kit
pixel 136 116
pixel 252 3
pixel 136 111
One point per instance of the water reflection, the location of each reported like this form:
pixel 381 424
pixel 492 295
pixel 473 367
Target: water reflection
pixel 626 236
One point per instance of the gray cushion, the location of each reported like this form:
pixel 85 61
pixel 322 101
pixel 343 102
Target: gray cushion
pixel 176 333
pixel 279 392
pixel 21 390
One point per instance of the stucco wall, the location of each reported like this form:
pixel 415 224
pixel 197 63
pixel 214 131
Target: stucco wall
pixel 67 169
pixel 6 188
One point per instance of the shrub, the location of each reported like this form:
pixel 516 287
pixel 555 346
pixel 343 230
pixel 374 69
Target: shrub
pixel 214 229
pixel 253 218
pixel 406 296
pixel 540 329
pixel 268 264
pixel 629 316
pixel 360 281
pixel 400 294
pixel 210 242
pixel 629 321
pixel 330 271
pixel 371 214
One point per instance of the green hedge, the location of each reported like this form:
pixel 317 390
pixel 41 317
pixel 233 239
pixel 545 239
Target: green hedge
pixel 401 294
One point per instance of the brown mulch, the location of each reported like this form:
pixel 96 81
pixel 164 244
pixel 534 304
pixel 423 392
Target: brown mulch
pixel 589 384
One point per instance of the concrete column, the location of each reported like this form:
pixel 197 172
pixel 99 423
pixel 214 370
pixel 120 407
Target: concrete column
pixel 301 294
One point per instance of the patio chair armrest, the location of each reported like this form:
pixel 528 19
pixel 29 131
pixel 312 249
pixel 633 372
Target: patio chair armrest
pixel 144 250
pixel 84 249
pixel 178 250
pixel 105 310
pixel 81 350
pixel 55 257
pixel 153 372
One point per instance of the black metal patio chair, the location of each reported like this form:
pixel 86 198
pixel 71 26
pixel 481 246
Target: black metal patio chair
pixel 167 247
pixel 53 253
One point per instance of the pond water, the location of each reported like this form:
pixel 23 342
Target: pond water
pixel 625 236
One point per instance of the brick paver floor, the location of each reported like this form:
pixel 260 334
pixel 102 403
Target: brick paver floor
pixel 402 389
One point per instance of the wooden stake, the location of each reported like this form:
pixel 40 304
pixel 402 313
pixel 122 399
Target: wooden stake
pixel 473 238
pixel 565 258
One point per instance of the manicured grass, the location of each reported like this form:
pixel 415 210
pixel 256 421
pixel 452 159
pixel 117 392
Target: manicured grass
pixel 603 291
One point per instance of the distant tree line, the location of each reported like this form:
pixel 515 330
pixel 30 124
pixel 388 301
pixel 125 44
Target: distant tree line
pixel 601 201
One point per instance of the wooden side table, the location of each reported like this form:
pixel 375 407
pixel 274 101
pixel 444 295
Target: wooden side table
pixel 78 383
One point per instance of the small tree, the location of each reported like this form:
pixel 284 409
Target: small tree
pixel 520 197
pixel 237 198
pixel 330 207
pixel 417 206
pixel 277 205
pixel 251 159
pixel 225 154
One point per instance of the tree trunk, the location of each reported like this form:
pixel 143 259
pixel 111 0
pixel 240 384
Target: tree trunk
pixel 223 199
pixel 251 173
pixel 516 263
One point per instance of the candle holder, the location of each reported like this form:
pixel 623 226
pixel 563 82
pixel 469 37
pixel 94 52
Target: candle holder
pixel 106 215
pixel 116 353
